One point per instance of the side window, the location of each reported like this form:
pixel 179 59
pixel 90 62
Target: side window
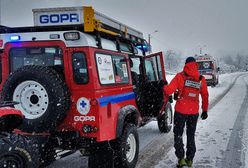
pixel 135 66
pixel 159 68
pixel 80 71
pixel 43 56
pixel 120 69
pixel 151 69
pixel 111 69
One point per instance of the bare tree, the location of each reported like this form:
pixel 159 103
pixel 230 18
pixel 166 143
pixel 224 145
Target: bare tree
pixel 173 60
pixel 239 61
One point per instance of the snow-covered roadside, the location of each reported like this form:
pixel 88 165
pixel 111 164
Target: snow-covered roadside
pixel 245 138
pixel 212 142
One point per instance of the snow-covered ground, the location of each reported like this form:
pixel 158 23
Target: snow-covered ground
pixel 212 136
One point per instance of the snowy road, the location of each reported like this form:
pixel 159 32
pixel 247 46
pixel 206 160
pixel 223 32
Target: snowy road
pixel 218 138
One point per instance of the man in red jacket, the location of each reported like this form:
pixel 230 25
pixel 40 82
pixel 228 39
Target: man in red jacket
pixel 188 85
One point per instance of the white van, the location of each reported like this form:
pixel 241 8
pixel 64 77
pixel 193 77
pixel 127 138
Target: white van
pixel 207 67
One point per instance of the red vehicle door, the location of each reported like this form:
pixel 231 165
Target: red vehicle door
pixel 154 78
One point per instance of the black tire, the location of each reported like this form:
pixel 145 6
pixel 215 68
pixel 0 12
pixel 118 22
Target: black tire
pixel 47 151
pixel 53 89
pixel 217 81
pixel 164 125
pixel 48 156
pixel 18 151
pixel 121 147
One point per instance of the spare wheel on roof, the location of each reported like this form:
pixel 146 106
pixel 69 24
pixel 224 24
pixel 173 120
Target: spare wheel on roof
pixel 42 94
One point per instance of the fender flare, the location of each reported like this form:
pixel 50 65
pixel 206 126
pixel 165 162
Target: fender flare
pixel 129 113
pixel 10 119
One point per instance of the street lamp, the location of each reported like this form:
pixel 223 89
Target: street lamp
pixel 201 47
pixel 149 39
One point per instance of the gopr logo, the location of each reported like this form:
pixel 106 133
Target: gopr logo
pixel 84 118
pixel 59 18
pixel 83 106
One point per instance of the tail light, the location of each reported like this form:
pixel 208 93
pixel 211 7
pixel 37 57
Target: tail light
pixel 212 65
pixel 1 43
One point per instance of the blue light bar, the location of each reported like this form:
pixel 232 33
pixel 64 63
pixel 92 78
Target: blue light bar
pixel 15 38
pixel 145 48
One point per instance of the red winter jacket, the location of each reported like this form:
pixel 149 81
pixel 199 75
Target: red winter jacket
pixel 185 105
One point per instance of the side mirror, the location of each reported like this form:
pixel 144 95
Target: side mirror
pixel 218 69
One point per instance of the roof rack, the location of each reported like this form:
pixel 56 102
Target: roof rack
pixel 87 16
pixel 84 19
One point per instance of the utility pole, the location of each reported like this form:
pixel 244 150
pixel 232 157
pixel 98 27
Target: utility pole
pixel 149 43
pixel 201 48
pixel 149 40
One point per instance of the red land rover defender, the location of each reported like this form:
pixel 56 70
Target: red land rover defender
pixel 83 82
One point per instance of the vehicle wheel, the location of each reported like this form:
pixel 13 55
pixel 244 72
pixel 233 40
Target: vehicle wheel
pixel 165 120
pixel 217 81
pixel 47 154
pixel 44 97
pixel 19 152
pixel 126 147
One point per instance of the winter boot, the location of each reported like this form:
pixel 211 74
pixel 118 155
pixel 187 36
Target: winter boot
pixel 189 163
pixel 181 163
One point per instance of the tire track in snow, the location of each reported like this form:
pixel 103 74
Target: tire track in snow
pixel 154 152
pixel 233 154
pixel 220 97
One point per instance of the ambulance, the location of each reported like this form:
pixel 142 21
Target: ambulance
pixel 84 82
pixel 207 67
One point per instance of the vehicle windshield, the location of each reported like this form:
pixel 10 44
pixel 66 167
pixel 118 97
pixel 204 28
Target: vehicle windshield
pixel 205 65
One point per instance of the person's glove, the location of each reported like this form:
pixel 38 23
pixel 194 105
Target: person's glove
pixel 161 83
pixel 204 115
pixel 176 94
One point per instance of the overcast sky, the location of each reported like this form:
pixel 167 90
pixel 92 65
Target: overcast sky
pixel 218 26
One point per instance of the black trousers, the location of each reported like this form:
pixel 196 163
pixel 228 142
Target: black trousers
pixel 180 120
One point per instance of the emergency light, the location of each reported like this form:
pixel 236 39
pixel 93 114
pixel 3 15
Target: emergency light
pixel 15 38
pixel 144 48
